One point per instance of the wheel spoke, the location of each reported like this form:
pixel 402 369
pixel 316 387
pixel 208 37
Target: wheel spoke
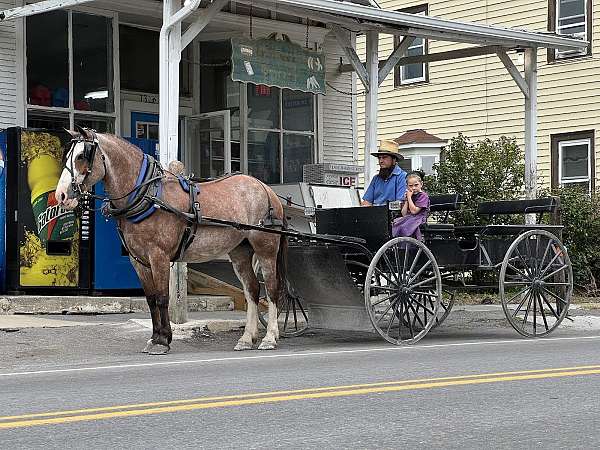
pixel 534 297
pixel 389 327
pixel 516 311
pixel 527 310
pixel 516 283
pixel 549 305
pixel 393 271
pixel 379 272
pixel 554 295
pixel 421 283
pixel 410 328
pixel 386 310
pixel 397 259
pixel 539 298
pixel 383 300
pixel 545 254
pixel 417 313
pixel 427 294
pixel 550 264
pixel 423 306
pixel 427 264
pixel 525 264
pixel 557 284
pixel 555 272
pixel 412 266
pixel 516 295
pixel 518 271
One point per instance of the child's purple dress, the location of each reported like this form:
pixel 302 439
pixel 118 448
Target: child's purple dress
pixel 409 225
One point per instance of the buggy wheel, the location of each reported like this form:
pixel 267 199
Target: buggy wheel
pixel 403 291
pixel 292 317
pixel 536 283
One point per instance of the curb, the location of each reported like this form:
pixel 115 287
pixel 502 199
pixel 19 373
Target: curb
pixel 39 304
pixel 188 329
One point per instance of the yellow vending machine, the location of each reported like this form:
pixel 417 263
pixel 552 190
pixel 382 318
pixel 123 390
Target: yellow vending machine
pixel 51 249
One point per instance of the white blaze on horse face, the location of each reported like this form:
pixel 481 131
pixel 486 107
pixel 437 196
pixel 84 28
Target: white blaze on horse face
pixel 64 183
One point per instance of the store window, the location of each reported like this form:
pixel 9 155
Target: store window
pixel 48 84
pixel 281 138
pixel 418 72
pixel 573 160
pixel 574 18
pixel 80 54
pixel 92 63
pixel 138 61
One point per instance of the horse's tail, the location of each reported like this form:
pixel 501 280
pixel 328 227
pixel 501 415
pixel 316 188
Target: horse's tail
pixel 282 261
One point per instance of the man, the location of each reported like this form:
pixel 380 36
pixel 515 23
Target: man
pixel 390 183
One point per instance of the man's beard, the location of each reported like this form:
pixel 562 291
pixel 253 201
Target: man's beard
pixel 385 173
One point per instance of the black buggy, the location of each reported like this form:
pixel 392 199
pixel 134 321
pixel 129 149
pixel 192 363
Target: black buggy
pixel 352 275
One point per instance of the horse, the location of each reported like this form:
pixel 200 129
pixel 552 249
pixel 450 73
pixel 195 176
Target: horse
pixel 171 226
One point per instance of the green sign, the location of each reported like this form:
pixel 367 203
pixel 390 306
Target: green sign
pixel 278 63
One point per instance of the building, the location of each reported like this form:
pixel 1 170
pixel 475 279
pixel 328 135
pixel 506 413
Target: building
pixel 476 95
pixel 100 69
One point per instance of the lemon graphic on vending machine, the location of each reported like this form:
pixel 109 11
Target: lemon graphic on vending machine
pixel 42 152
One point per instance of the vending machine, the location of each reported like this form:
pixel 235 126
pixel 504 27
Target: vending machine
pixel 112 267
pixel 49 246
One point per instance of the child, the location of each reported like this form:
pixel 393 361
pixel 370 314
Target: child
pixel 415 209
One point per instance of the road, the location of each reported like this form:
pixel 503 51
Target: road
pixel 476 385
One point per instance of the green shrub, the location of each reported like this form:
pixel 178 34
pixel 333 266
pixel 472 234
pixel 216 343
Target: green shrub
pixel 487 170
pixel 580 214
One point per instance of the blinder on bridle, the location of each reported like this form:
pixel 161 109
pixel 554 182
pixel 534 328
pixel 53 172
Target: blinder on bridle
pixel 89 151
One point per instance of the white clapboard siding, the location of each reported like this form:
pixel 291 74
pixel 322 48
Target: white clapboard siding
pixel 339 134
pixel 8 71
pixel 477 97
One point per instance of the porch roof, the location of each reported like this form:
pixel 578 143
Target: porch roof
pixel 360 18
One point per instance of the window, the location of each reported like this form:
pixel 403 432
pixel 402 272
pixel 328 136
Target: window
pixel 573 160
pixel 281 137
pixel 69 77
pixel 138 60
pixel 570 17
pixel 418 72
pixel 419 162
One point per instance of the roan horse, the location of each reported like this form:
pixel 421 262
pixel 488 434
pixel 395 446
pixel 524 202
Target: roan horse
pixel 171 231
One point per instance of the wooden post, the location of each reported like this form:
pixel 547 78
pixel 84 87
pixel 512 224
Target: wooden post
pixel 170 57
pixel 371 105
pixel 531 127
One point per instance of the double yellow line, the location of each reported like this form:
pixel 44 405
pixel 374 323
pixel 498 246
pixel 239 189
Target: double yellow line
pixel 143 409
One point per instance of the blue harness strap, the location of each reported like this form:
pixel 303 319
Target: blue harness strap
pixel 140 179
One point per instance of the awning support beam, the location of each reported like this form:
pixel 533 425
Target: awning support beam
pixel 38 8
pixel 396 55
pixel 202 21
pixel 350 53
pixel 440 56
pixel 514 72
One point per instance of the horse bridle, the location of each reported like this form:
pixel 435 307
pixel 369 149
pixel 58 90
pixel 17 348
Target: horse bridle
pixel 88 154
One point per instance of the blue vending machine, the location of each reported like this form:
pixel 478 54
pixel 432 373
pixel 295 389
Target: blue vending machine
pixel 112 268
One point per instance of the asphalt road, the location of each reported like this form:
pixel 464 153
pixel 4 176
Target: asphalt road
pixel 471 384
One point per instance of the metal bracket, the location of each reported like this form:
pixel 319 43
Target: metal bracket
pixel 38 8
pixel 350 52
pixel 398 53
pixel 514 72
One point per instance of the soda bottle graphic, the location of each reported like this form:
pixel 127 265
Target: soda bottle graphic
pixel 42 152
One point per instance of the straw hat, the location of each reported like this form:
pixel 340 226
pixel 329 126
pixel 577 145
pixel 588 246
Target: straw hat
pixel 388 148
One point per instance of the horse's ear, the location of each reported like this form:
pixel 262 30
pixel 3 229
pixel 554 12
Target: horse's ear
pixel 83 132
pixel 74 134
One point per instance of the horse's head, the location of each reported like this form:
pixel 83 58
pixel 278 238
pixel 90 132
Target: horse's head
pixel 83 166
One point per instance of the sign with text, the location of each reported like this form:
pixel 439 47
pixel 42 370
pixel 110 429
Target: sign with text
pixel 278 63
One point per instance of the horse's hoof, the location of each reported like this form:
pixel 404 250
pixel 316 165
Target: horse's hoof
pixel 242 345
pixel 159 349
pixel 148 346
pixel 266 345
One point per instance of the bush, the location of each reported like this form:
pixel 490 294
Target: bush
pixel 488 170
pixel 580 214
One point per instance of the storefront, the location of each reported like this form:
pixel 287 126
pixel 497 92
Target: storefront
pixel 104 74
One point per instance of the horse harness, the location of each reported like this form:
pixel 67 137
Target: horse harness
pixel 145 199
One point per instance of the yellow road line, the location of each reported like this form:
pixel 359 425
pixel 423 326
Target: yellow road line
pixel 282 396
